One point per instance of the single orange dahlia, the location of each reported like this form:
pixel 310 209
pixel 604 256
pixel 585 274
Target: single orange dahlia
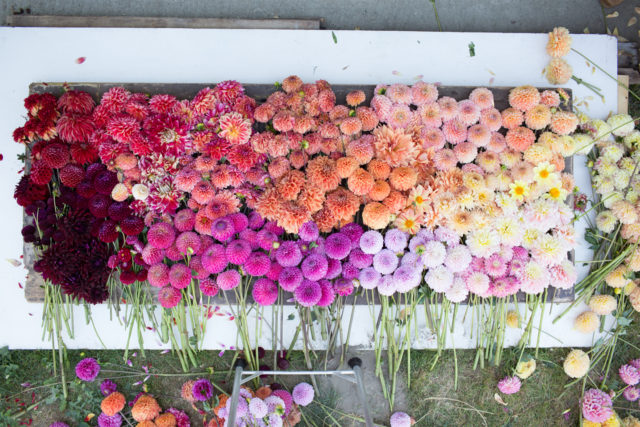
pixel 403 178
pixel 360 182
pixel 113 403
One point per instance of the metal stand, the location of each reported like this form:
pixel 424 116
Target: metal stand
pixel 353 375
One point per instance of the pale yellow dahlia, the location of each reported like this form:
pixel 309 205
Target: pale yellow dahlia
pixel 586 322
pixel 634 298
pixel 633 261
pixel 625 212
pixel 606 221
pixel 602 305
pixel 513 320
pixel 618 277
pixel 538 153
pixel 576 364
pixel 525 369
pixel 631 232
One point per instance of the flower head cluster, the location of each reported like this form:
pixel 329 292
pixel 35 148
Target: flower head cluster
pixel 558 71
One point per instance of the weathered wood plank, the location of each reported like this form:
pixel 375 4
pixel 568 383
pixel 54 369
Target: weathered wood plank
pixel 159 22
pixel 34 286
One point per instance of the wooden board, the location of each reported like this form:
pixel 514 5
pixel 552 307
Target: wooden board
pixel 34 285
pixel 159 22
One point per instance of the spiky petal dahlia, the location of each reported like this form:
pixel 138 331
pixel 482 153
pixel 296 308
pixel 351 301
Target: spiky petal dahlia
pixel 234 128
pixel 394 146
pixel 524 98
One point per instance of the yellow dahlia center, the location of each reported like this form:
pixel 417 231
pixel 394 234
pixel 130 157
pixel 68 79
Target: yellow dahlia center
pixel 554 192
pixel 519 190
pixel 544 173
pixel 419 200
pixel 409 223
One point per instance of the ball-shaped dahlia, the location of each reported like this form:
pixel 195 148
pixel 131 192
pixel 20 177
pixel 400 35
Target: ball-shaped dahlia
pixel 603 305
pixel 576 364
pixel 586 322
pixel 146 408
pixel 113 403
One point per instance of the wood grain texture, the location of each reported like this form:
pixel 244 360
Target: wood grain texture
pixel 159 22
pixel 34 291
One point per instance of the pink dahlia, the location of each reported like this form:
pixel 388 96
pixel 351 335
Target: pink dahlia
pixel 509 385
pixel 308 293
pixel 75 127
pixel 222 229
pixel 629 374
pixel 596 406
pixel 334 270
pixel 179 276
pixel 631 394
pixel 228 280
pixel 235 128
pixel 399 93
pixel 359 259
pixel 454 131
pixel 303 394
pixel 87 369
pixel 188 243
pixel 214 259
pixel 184 220
pixel 169 297
pixel 495 266
pixel 400 419
pixel 238 251
pixel 158 275
pixel 314 267
pixel 258 264
pixel 123 128
pixel 75 101
pixel 163 104
pixel 369 278
pixel 240 221
pixel 115 99
pixel 208 287
pixel 328 294
pixel 290 278
pixel 265 291
pixel 161 235
pixel 504 286
pixel 338 246
pixel 423 93
pixel 468 112
pixel 228 90
pixel 288 254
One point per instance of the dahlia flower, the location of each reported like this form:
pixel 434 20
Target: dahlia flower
pixel 576 364
pixel 509 385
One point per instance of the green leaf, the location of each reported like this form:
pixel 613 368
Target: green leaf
pixel 472 49
pixel 291 316
pixel 335 39
pixel 623 321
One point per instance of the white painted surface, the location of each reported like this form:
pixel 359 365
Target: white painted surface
pixel 262 56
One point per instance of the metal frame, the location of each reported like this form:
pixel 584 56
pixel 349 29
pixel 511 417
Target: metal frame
pixel 353 375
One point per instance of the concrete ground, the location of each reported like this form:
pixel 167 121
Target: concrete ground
pixel 417 15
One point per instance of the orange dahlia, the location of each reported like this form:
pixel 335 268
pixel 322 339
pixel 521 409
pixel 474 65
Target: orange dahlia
pixel 187 391
pixel 360 182
pixel 267 205
pixel 329 130
pixel 488 161
pixel 338 112
pixel 403 178
pixel 395 201
pixel 361 149
pixel 355 98
pixel 263 392
pixel 291 216
pixel 113 403
pixel 298 159
pixel 376 215
pixel 550 98
pixel 292 84
pixel 321 171
pixel 346 166
pixel 146 408
pixel 558 71
pixel 538 117
pixel 304 124
pixel 520 138
pixel 394 146
pixel 564 122
pixel 290 184
pixel 368 117
pixel 351 126
pixel 166 420
pixel 380 191
pixel 342 202
pixel 146 423
pixel 312 198
pixel 511 118
pixel 524 98
pixel 325 220
pixel 379 169
pixel 278 167
pixel 559 43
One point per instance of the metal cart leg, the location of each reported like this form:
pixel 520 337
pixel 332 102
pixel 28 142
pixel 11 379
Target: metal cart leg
pixel 355 363
pixel 235 394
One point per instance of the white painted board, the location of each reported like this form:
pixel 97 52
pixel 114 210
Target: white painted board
pixel 262 56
